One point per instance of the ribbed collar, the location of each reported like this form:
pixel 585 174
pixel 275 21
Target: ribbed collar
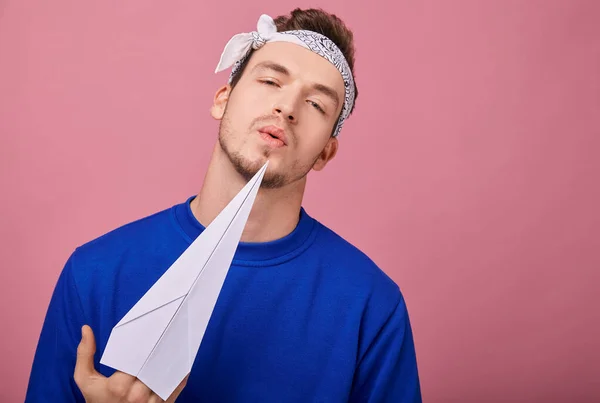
pixel 251 253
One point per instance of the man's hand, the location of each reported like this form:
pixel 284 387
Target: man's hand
pixel 119 387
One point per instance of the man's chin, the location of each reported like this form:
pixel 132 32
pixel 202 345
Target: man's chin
pixel 248 167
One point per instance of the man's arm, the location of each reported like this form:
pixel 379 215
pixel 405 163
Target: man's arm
pixel 387 371
pixel 54 362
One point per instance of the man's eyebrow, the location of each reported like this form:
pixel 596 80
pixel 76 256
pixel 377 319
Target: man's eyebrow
pixel 272 66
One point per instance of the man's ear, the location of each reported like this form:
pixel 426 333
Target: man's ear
pixel 217 110
pixel 329 151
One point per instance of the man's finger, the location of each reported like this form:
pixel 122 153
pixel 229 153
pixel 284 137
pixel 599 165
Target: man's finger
pixel 120 383
pixel 84 366
pixel 139 392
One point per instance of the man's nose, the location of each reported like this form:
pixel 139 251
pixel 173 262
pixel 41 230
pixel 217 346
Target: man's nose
pixel 285 114
pixel 285 108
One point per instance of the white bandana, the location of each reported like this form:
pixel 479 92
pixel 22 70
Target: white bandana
pixel 239 46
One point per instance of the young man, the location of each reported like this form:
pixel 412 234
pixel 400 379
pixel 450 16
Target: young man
pixel 303 316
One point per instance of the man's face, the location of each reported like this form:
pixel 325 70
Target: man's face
pixel 283 109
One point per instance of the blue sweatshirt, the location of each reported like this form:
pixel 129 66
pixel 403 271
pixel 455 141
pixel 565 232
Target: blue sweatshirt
pixel 306 318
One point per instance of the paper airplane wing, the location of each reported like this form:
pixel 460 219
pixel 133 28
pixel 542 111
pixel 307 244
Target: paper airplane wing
pixel 158 339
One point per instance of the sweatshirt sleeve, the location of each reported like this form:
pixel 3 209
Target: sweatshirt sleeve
pixel 51 377
pixel 387 371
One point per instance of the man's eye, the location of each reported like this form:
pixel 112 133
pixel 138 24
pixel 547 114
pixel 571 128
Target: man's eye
pixel 316 106
pixel 270 82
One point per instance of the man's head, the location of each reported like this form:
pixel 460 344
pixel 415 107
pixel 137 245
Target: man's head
pixel 286 91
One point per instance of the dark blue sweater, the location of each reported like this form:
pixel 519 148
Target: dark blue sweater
pixel 307 318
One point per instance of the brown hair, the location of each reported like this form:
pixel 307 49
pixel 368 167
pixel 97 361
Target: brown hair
pixel 315 20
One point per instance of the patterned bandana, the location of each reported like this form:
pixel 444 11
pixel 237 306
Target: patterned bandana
pixel 239 46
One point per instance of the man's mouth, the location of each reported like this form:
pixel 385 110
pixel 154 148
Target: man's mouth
pixel 274 135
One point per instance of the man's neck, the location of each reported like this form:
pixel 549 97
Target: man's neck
pixel 275 212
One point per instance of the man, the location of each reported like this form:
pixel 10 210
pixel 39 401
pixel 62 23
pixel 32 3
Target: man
pixel 303 315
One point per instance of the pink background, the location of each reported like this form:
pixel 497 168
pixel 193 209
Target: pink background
pixel 472 162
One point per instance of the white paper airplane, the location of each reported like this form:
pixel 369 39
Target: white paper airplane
pixel 157 340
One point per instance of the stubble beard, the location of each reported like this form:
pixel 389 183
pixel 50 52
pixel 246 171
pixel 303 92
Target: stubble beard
pixel 247 169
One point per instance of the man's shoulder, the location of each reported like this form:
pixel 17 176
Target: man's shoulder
pixel 134 251
pixel 128 232
pixel 354 263
pixel 136 239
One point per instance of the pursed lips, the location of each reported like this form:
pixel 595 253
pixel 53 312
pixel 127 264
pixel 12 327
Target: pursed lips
pixel 275 132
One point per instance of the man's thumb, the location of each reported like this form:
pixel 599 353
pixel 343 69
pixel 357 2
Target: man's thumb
pixel 84 367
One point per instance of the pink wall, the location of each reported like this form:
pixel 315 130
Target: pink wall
pixel 472 160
